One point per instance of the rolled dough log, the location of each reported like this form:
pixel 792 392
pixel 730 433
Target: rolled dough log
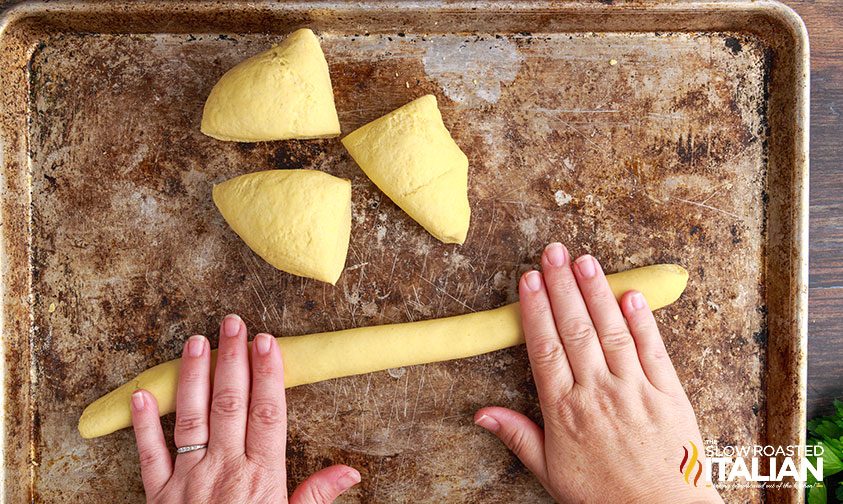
pixel 297 220
pixel 323 356
pixel 411 157
pixel 284 92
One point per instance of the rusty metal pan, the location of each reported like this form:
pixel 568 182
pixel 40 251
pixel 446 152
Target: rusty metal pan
pixel 639 132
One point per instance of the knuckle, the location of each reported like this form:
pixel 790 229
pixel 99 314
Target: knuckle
pixel 578 333
pixel 189 422
pixel 148 456
pixel 145 430
pixel 228 402
pixel 267 413
pixel 605 381
pixel 566 411
pixel 566 414
pixel 616 338
pixel 551 403
pixel 602 297
pixel 515 441
pixel 659 354
pixel 539 310
pixel 141 427
pixel 565 285
pixel 318 494
pixel 259 488
pixel 643 324
pixel 229 353
pixel 223 462
pixel 193 376
pixel 548 354
pixel 265 370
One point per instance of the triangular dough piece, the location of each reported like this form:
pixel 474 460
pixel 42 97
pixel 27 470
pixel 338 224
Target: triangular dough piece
pixel 297 220
pixel 411 157
pixel 281 93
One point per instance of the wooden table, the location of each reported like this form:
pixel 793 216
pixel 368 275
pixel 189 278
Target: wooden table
pixel 824 19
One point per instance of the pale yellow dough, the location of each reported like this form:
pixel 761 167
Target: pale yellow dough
pixel 322 356
pixel 411 157
pixel 297 220
pixel 284 92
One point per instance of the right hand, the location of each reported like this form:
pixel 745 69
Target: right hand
pixel 616 418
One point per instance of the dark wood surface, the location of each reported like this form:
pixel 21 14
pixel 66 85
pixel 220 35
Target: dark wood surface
pixel 824 19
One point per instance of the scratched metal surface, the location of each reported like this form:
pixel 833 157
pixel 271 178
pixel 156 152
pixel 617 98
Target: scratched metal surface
pixel 639 148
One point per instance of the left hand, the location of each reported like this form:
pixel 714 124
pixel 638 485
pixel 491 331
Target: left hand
pixel 243 421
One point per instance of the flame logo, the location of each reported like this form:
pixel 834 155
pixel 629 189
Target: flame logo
pixel 689 462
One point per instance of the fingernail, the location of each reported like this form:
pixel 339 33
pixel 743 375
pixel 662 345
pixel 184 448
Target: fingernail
pixel 585 265
pixel 556 254
pixel 638 301
pixel 231 325
pixel 488 423
pixel 195 345
pixel 262 343
pixel 533 280
pixel 349 479
pixel 137 400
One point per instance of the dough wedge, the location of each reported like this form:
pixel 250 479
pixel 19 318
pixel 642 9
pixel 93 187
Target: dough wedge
pixel 297 220
pixel 282 93
pixel 411 157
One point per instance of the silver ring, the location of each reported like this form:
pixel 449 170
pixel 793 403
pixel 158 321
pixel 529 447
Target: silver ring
pixel 190 448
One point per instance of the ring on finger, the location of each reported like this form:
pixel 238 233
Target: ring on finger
pixel 190 448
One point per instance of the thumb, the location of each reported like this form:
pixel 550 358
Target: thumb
pixel 322 487
pixel 518 433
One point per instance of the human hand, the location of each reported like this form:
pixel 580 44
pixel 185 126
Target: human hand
pixel 243 421
pixel 615 415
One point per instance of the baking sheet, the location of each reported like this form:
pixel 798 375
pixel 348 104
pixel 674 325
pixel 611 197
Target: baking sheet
pixel 641 135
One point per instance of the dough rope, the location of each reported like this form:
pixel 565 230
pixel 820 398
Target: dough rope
pixel 323 356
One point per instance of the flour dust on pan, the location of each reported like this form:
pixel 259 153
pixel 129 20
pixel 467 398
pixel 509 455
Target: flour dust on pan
pixel 471 70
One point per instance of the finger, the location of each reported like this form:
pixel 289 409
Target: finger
pixel 322 487
pixel 520 434
pixel 266 433
pixel 193 400
pixel 578 335
pixel 652 354
pixel 155 462
pixel 229 404
pixel 548 362
pixel 614 336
